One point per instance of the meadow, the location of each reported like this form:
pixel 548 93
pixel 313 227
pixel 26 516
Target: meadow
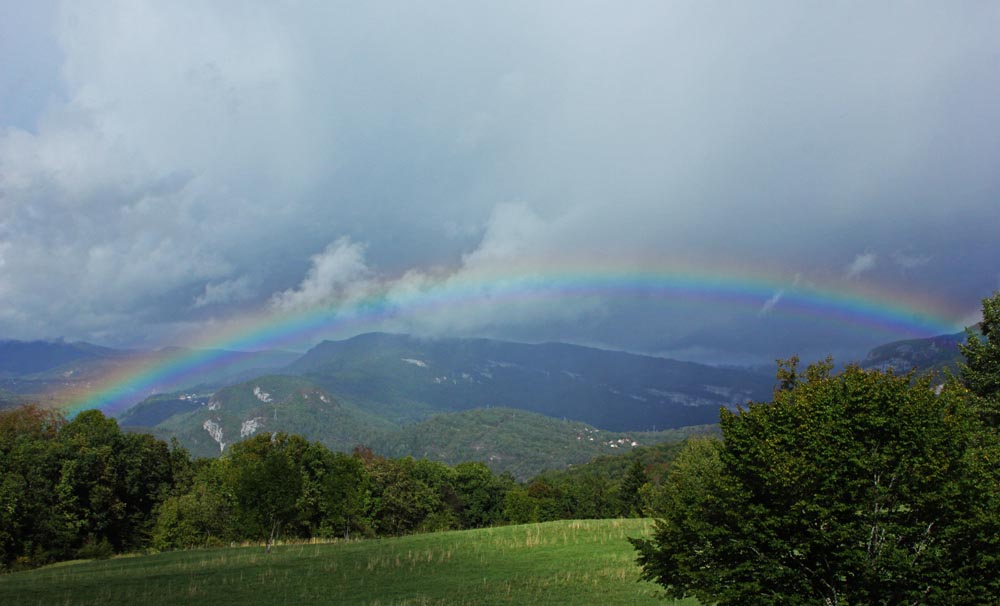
pixel 567 562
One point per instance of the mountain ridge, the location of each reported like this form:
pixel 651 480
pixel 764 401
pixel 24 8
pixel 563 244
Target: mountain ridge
pixel 608 389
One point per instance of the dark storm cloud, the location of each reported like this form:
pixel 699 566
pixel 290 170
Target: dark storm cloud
pixel 175 162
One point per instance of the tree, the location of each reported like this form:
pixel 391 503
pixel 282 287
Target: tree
pixel 981 370
pixel 857 488
pixel 266 483
pixel 200 515
pixel 629 492
pixel 345 490
pixel 110 483
pixel 404 498
pixel 519 507
pixel 480 495
pixel 30 461
pixel 144 477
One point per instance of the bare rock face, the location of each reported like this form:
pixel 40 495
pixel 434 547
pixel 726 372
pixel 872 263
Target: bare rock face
pixel 215 430
pixel 250 427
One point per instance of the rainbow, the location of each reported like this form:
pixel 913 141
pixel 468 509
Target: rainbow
pixel 901 314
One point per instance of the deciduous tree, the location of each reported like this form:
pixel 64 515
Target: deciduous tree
pixel 266 483
pixel 981 370
pixel 857 488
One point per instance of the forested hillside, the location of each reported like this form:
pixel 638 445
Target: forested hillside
pixel 518 442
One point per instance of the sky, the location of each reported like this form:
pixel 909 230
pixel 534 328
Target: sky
pixel 168 168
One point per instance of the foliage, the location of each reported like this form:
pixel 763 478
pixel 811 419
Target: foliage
pixel 266 483
pixel 630 491
pixel 857 488
pixel 480 494
pixel 200 516
pixel 30 460
pixel 83 488
pixel 981 371
pixel 596 489
pixel 75 487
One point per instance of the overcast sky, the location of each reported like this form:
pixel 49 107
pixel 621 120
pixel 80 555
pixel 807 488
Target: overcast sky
pixel 165 166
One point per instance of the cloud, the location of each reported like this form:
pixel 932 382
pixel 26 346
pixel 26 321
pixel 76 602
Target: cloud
pixel 907 259
pixel 513 230
pixel 479 294
pixel 863 262
pixel 338 275
pixel 226 291
pixel 167 164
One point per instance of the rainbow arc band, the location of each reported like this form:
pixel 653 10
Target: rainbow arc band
pixel 904 315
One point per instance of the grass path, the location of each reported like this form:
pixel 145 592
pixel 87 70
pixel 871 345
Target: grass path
pixel 569 562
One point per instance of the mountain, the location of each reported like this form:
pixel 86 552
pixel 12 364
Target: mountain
pixel 39 371
pixel 406 379
pixel 240 365
pixel 20 358
pixel 519 408
pixel 935 354
pixel 507 440
pixel 45 371
pixel 158 408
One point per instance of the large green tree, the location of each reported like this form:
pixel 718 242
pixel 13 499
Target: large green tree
pixel 981 370
pixel 31 457
pixel 203 513
pixel 629 493
pixel 266 483
pixel 856 488
pixel 409 495
pixel 480 495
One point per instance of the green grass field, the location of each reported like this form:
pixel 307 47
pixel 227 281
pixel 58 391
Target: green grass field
pixel 569 562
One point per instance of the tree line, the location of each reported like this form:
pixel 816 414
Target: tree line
pixel 83 488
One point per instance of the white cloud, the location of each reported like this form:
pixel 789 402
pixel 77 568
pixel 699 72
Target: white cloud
pixel 863 262
pixel 482 293
pixel 226 291
pixel 513 231
pixel 338 275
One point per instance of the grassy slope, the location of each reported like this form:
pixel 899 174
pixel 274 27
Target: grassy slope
pixel 569 562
